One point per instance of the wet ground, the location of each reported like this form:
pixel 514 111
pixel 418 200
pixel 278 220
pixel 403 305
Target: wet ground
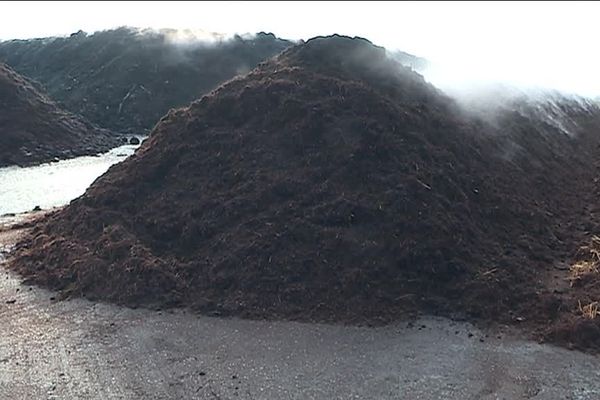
pixel 54 184
pixel 77 349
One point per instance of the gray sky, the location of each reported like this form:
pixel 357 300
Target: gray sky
pixel 554 44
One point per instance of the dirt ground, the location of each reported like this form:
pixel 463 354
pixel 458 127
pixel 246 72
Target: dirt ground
pixel 78 349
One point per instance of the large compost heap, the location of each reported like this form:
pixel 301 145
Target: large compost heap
pixel 332 184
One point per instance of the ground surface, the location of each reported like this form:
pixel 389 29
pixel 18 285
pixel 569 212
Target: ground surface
pixel 77 349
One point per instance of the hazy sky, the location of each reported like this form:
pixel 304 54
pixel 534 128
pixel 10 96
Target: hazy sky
pixel 553 44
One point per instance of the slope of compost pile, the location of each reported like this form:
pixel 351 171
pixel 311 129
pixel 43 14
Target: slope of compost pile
pixel 330 184
pixel 34 129
pixel 126 79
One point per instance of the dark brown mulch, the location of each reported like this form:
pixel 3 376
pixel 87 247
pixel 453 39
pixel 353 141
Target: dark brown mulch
pixel 125 79
pixel 332 184
pixel 34 129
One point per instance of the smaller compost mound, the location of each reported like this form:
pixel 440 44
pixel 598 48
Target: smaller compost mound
pixel 331 184
pixel 34 129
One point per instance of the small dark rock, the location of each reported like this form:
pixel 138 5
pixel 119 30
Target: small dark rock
pixel 134 141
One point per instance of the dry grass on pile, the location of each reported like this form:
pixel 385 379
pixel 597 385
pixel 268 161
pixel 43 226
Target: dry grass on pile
pixel 589 265
pixel 589 311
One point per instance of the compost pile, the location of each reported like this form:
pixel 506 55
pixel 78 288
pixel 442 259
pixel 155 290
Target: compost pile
pixel 331 184
pixel 126 79
pixel 34 129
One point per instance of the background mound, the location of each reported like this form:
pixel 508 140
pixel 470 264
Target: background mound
pixel 125 79
pixel 330 183
pixel 34 129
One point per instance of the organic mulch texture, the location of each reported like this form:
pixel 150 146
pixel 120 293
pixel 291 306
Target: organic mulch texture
pixel 332 184
pixel 34 129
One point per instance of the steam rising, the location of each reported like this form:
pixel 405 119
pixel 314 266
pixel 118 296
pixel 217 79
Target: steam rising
pixel 473 73
pixel 488 96
pixel 191 36
pixel 543 44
